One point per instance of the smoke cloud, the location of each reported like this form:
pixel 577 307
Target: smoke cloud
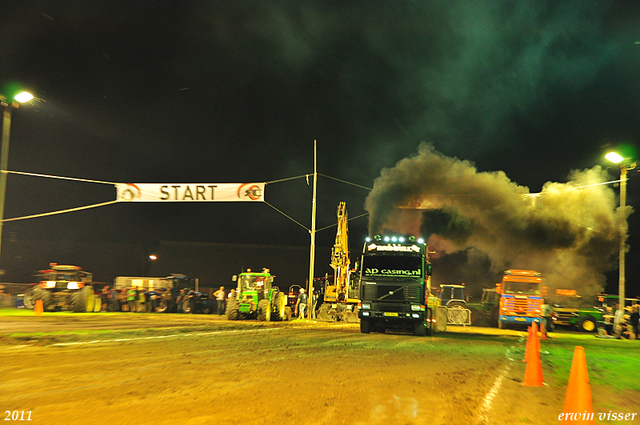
pixel 569 231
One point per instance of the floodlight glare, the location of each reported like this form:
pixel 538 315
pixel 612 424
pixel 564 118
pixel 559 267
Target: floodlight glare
pixel 23 97
pixel 614 157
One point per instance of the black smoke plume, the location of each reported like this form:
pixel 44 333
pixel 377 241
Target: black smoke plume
pixel 569 231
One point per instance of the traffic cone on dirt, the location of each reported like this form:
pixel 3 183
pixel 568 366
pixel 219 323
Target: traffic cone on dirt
pixel 533 373
pixel 543 332
pixel 536 339
pixel 527 349
pixel 577 403
pixel 37 310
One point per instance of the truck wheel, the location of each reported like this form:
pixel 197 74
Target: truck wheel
pixel 420 328
pixel 365 326
pixel 587 324
pixel 232 310
pixel 279 303
pixel 264 311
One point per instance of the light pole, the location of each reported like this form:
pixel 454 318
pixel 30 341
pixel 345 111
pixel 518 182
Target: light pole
pixel 4 147
pixel 625 166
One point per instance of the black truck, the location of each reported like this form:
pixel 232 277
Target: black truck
pixel 394 286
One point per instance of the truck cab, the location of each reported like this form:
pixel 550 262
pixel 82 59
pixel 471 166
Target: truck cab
pixel 394 279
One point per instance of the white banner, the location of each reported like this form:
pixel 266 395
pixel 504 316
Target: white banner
pixel 190 192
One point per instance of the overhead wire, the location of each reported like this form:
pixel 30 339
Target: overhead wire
pixel 23 173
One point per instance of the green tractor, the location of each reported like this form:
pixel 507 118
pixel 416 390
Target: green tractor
pixel 257 298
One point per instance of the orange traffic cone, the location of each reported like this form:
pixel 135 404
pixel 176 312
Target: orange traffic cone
pixel 37 310
pixel 533 374
pixel 536 340
pixel 577 403
pixel 543 332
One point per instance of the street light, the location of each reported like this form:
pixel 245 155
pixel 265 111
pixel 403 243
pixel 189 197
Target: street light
pixel 4 147
pixel 625 166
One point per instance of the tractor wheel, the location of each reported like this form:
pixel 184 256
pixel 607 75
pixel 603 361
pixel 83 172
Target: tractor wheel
pixel 34 294
pixel 162 307
pixel 493 317
pixel 264 311
pixel 365 326
pixel 97 304
pixel 420 328
pixel 587 324
pixel 457 303
pixel 287 313
pixel 82 301
pixel 232 310
pixel 279 304
pixel 186 307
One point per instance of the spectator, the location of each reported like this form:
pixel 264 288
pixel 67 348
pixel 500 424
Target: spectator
pixel 314 302
pixel 219 294
pixel 142 300
pixel 122 300
pixel 152 301
pixel 131 299
pixel 634 319
pixel 104 297
pixel 301 304
pixel 547 321
pixel 232 295
pixel 193 302
pixel 180 301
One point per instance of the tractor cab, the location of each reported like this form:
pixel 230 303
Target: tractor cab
pixel 252 288
pixel 452 294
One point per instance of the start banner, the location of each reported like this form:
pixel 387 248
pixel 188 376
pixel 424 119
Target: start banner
pixel 190 192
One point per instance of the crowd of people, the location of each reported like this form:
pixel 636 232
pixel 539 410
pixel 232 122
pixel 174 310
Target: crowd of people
pixel 621 323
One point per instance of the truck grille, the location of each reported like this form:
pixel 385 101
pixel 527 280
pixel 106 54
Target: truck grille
pixel 522 307
pixel 400 293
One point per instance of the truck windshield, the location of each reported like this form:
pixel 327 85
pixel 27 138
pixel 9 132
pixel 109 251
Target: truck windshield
pixel 249 282
pixel 522 288
pixel 392 266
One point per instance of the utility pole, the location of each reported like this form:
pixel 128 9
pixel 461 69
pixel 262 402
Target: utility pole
pixel 312 253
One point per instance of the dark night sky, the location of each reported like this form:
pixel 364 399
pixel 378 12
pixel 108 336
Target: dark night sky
pixel 236 91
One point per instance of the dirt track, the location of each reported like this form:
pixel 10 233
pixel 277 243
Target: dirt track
pixel 202 369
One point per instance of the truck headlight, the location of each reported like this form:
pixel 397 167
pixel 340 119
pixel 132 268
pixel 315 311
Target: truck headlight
pixel 365 313
pixel 415 307
pixel 415 315
pixel 366 306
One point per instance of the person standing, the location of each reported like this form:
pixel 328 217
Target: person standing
pixel 131 299
pixel 104 296
pixel 547 320
pixel 180 301
pixel 634 319
pixel 219 294
pixel 314 302
pixel 142 300
pixel 301 304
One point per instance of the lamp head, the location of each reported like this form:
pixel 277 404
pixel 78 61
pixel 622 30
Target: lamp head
pixel 614 157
